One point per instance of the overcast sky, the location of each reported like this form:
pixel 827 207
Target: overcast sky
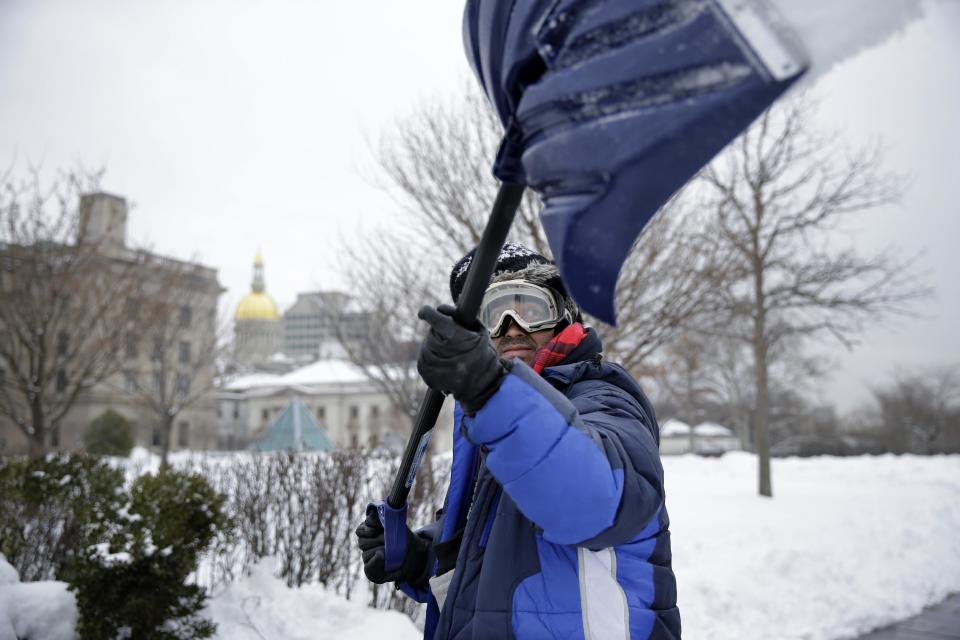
pixel 241 125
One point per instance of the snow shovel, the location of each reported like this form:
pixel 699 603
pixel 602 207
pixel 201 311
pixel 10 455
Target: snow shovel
pixel 608 107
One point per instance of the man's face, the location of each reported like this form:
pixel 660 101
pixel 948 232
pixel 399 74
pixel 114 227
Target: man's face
pixel 517 343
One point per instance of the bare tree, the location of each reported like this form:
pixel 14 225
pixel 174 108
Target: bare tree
pixel 686 378
pixel 920 410
pixel 774 194
pixel 62 316
pixel 378 327
pixel 183 344
pixel 435 161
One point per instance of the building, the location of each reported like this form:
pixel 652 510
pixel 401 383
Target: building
pixel 257 327
pixel 705 439
pixel 325 324
pixel 351 410
pixel 309 329
pixel 171 365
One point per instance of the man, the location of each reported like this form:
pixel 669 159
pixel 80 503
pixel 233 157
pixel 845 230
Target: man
pixel 554 524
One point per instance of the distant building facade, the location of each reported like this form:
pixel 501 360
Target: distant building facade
pixel 351 410
pixel 103 218
pixel 705 439
pixel 309 330
pixel 322 325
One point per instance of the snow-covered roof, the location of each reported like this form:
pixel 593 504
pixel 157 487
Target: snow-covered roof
pixel 321 372
pixel 673 427
pixel 712 429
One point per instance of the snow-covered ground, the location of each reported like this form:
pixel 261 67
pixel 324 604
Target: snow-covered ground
pixel 846 545
pixel 261 606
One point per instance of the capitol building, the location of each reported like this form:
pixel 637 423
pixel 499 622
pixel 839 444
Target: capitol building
pixel 295 363
pixel 257 328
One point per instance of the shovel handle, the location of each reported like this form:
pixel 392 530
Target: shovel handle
pixel 468 306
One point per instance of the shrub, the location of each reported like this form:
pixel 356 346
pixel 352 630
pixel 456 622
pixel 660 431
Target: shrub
pixel 109 434
pixel 135 585
pixel 53 509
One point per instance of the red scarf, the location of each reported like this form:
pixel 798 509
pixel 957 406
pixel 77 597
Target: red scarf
pixel 562 345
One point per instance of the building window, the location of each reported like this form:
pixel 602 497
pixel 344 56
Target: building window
pixel 182 385
pixel 374 440
pixel 183 434
pixel 354 411
pixel 265 414
pixel 321 412
pixel 61 380
pixel 132 345
pixel 157 348
pixel 236 410
pixel 186 316
pixel 63 343
pixel 130 382
pixel 219 409
pixel 354 441
pixel 375 412
pixel 156 439
pixel 158 384
pixel 55 435
pixel 184 352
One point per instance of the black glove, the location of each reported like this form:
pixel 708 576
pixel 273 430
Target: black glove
pixel 414 569
pixel 457 360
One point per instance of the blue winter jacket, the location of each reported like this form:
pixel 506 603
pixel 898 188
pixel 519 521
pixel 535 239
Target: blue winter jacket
pixel 556 496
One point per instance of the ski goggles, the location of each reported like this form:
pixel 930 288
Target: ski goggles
pixel 531 306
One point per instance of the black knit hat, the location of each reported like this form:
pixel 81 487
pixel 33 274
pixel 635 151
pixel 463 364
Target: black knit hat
pixel 515 258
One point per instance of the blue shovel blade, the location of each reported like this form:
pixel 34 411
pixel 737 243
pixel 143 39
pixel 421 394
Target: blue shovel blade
pixel 610 107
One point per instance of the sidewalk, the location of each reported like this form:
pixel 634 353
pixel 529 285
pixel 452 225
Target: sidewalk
pixel 939 622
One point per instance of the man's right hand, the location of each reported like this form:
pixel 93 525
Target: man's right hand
pixel 414 569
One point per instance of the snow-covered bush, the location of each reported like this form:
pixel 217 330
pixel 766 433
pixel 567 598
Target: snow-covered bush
pixel 135 582
pixel 300 511
pixel 52 509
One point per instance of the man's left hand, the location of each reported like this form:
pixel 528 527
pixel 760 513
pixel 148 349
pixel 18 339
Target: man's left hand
pixel 458 360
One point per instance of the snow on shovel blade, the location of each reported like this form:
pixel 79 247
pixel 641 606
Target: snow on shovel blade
pixel 611 106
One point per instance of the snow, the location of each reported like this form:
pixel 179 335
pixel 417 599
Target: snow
pixel 833 31
pixel 712 429
pixel 35 610
pixel 845 546
pixel 322 372
pixel 673 427
pixel 261 606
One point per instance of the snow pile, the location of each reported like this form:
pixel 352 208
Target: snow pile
pixel 846 545
pixel 36 610
pixel 261 606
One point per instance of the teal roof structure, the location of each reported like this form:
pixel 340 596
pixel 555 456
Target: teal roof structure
pixel 294 430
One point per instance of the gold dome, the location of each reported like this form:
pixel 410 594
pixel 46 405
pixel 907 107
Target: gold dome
pixel 257 306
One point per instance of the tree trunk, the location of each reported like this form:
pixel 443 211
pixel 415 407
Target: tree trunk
pixel 762 417
pixel 166 429
pixel 690 403
pixel 761 368
pixel 37 439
